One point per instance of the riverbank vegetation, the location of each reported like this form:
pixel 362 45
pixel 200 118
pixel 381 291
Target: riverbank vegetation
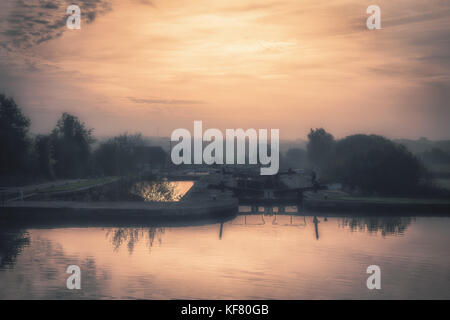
pixel 366 165
pixel 372 165
pixel 67 151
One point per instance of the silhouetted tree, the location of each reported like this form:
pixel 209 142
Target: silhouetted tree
pixel 14 144
pixel 43 154
pixel 320 148
pixel 374 164
pixel 295 158
pixel 71 143
pixel 436 156
pixel 119 155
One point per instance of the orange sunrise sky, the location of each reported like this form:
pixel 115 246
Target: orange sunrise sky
pixel 157 65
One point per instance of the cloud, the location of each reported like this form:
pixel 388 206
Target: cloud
pixel 148 3
pixel 314 60
pixel 164 101
pixel 50 5
pixel 35 21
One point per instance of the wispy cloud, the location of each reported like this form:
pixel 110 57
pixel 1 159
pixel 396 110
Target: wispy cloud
pixel 252 63
pixel 165 101
pixel 35 21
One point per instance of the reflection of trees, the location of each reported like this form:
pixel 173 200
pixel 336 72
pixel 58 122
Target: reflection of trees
pixel 41 274
pixel 385 225
pixel 156 191
pixel 12 243
pixel 131 236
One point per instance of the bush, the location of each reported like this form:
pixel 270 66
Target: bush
pixel 14 143
pixel 119 155
pixel 320 149
pixel 374 164
pixel 71 142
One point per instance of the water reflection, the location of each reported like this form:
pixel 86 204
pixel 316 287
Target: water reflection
pixel 295 221
pixel 284 220
pixel 131 236
pixel 39 272
pixel 221 231
pixel 316 227
pixel 384 225
pixel 12 242
pixel 271 256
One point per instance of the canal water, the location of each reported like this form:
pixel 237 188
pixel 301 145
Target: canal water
pixel 264 255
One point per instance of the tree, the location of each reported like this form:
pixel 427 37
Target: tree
pixel 295 158
pixel 43 153
pixel 436 156
pixel 374 164
pixel 14 144
pixel 320 148
pixel 71 142
pixel 119 155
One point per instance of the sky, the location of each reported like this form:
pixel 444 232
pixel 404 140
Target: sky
pixel 153 66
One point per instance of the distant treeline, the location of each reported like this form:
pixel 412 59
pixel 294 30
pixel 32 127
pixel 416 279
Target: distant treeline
pixel 434 154
pixel 372 164
pixel 65 152
pixel 368 164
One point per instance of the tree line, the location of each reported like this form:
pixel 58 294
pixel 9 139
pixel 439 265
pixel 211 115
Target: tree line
pixel 370 164
pixel 65 152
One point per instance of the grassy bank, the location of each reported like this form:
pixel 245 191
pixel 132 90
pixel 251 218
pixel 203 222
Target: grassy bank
pixel 78 184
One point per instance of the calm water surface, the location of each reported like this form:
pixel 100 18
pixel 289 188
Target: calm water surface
pixel 251 257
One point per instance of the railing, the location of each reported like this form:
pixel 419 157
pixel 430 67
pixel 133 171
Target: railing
pixel 11 195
